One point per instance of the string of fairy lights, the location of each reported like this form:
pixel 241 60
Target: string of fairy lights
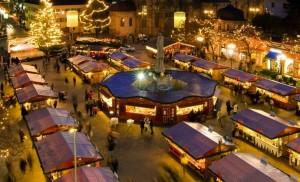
pixel 91 23
pixel 4 153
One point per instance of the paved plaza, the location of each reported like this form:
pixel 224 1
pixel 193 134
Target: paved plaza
pixel 141 157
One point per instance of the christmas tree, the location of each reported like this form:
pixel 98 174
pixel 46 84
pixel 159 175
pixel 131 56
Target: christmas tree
pixel 95 17
pixel 44 29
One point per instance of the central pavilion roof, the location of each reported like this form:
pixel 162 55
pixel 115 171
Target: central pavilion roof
pixel 25 79
pixel 21 68
pixel 240 75
pixel 246 167
pixel 196 139
pixel 277 87
pixel 89 174
pixel 49 120
pixel 34 93
pixel 56 151
pixel 264 123
pixel 121 85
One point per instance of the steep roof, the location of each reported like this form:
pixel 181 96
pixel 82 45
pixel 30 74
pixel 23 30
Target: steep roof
pixel 122 5
pixel 230 13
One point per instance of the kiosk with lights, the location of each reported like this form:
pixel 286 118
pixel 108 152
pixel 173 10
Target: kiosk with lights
pixel 164 96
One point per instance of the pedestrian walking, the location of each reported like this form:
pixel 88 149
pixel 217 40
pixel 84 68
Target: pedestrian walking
pixel 55 104
pixel 52 86
pixel 115 165
pixel 21 135
pixel 66 80
pixel 228 107
pixel 23 165
pixel 151 127
pixel 74 81
pixel 2 87
pixel 142 126
pixel 271 104
pixel 147 123
pixel 235 108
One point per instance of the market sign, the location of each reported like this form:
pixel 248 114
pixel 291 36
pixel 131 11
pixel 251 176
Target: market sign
pixel 179 19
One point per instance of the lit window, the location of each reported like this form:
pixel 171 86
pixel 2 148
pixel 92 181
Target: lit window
pixel 122 22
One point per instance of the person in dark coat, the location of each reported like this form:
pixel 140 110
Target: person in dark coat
pixel 151 127
pixel 142 126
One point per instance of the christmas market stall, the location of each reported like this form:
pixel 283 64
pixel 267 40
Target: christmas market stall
pixel 282 94
pixel 126 62
pixel 240 78
pixel 196 144
pixel 25 52
pixel 165 100
pixel 265 131
pixel 36 96
pixel 214 70
pixel 14 71
pixel 297 99
pixel 79 59
pixel 184 61
pixel 25 79
pixel 49 120
pixel 89 174
pixel 245 167
pixel 58 153
pixel 93 71
pixel 170 48
pixel 294 153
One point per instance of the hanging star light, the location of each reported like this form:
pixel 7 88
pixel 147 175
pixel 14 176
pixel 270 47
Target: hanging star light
pixel 96 16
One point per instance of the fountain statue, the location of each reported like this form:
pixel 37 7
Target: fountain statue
pixel 160 55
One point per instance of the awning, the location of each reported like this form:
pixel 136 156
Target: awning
pixel 272 55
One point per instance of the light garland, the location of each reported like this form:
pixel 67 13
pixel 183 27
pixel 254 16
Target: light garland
pixel 89 22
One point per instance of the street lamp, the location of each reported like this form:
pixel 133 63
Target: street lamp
pixel 143 13
pixel 72 22
pixel 230 52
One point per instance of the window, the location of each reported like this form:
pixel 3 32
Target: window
pixel 122 22
pixel 130 22
pixel 273 5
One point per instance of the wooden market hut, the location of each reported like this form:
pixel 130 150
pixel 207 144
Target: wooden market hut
pixel 282 94
pixel 79 59
pixel 25 79
pixel 20 69
pixel 126 62
pixel 93 71
pixel 240 78
pixel 41 95
pixel 197 144
pixel 215 70
pixel 184 61
pixel 265 131
pixel 56 153
pixel 297 99
pixel 245 167
pixel 49 120
pixel 171 47
pixel 89 174
pixel 294 152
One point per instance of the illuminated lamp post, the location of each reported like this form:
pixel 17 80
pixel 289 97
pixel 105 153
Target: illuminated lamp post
pixel 230 48
pixel 179 19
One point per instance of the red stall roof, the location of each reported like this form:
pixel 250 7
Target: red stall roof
pixel 21 68
pixel 196 139
pixel 294 145
pixel 56 151
pixel 49 120
pixel 89 174
pixel 246 167
pixel 25 79
pixel 93 66
pixel 79 59
pixel 35 93
pixel 265 124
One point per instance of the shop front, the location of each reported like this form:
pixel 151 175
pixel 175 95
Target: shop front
pixel 240 78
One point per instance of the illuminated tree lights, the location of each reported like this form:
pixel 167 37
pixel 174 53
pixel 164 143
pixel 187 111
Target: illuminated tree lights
pixel 44 29
pixel 96 16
